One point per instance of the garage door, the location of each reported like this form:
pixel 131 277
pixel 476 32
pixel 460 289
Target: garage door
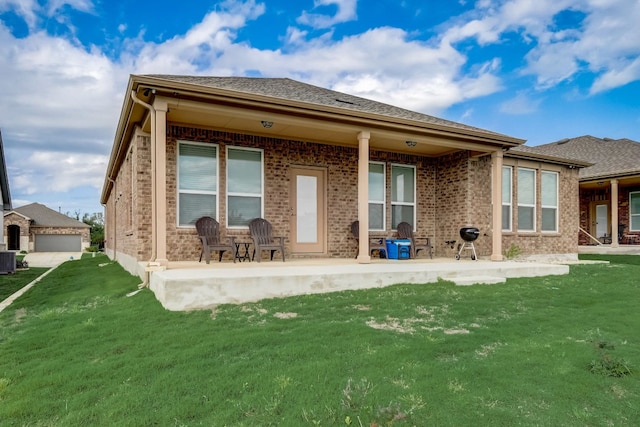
pixel 58 243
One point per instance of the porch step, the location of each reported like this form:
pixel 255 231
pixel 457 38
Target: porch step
pixel 478 280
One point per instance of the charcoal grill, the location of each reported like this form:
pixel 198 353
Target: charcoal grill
pixel 468 235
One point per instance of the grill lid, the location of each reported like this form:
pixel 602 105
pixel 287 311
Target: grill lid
pixel 469 234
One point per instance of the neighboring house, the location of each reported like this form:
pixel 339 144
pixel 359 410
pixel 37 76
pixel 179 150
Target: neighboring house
pixel 36 228
pixel 609 189
pixel 311 161
pixel 5 195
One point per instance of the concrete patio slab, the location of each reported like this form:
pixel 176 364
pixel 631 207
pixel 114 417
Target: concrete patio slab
pixel 610 250
pixel 191 286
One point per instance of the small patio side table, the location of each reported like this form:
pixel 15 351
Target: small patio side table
pixel 244 256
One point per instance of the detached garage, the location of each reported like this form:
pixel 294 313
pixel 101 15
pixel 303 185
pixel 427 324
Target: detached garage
pixel 36 228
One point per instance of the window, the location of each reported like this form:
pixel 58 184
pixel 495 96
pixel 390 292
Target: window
pixel 634 210
pixel 403 180
pixel 507 190
pixel 377 188
pixel 526 199
pixel 244 186
pixel 197 182
pixel 549 201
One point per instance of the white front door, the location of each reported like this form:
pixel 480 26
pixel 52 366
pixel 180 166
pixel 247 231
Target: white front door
pixel 602 220
pixel 308 210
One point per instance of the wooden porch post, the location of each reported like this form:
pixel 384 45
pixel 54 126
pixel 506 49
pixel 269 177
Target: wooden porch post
pixel 496 201
pixel 614 213
pixel 160 179
pixel 363 197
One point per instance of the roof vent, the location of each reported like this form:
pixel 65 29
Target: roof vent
pixel 607 139
pixel 563 141
pixel 345 102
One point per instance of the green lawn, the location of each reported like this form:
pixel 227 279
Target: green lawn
pixel 11 283
pixel 551 351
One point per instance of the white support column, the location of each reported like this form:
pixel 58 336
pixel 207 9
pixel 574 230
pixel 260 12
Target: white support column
pixel 496 201
pixel 160 179
pixel 364 256
pixel 614 213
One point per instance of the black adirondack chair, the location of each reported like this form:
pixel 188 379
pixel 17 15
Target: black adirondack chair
pixel 405 231
pixel 209 234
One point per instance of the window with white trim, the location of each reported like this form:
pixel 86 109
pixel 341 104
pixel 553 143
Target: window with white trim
pixel 634 211
pixel 526 199
pixel 245 186
pixel 197 181
pixel 403 195
pixel 377 187
pixel 507 191
pixel 549 201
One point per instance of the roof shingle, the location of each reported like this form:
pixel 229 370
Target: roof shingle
pixel 293 90
pixel 610 157
pixel 42 216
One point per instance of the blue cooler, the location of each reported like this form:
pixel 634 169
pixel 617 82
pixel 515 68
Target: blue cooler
pixel 398 248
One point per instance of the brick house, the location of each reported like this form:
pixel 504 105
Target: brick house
pixel 311 161
pixel 609 187
pixel 36 228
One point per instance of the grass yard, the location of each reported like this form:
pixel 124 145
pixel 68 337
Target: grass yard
pixel 11 283
pixel 551 351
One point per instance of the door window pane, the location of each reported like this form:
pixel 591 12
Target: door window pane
pixel 307 209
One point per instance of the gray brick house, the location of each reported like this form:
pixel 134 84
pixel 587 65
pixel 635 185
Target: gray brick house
pixel 609 187
pixel 36 228
pixel 311 161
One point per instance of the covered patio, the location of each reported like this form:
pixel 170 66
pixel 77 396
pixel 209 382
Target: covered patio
pixel 190 285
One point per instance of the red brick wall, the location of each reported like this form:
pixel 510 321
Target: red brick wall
pixel 589 197
pixel 452 191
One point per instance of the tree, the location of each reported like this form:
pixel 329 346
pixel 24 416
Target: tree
pixel 96 221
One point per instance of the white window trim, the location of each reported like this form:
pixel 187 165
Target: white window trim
pixel 178 191
pixel 510 203
pixel 415 178
pixel 557 206
pixel 630 214
pixel 535 198
pixel 382 202
pixel 261 151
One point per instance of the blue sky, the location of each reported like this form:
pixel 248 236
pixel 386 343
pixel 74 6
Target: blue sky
pixel 541 70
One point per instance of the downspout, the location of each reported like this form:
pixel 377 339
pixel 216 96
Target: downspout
pixel 152 111
pixel 152 265
pixel 115 240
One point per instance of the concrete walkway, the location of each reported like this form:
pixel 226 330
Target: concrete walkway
pixel 50 259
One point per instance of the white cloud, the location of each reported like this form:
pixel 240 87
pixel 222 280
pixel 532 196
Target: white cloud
pixel 346 12
pixel 520 104
pixel 606 43
pixel 23 8
pixel 65 98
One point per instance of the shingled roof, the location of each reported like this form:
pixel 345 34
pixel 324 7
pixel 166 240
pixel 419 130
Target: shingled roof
pixel 42 216
pixel 610 157
pixel 293 90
